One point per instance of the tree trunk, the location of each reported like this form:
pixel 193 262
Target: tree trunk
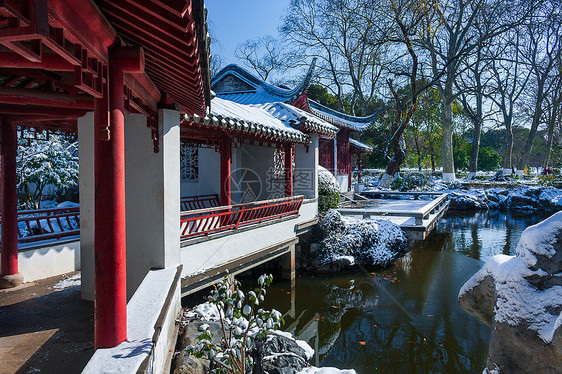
pixel 550 140
pixel 477 121
pixel 507 158
pixel 447 144
pixel 526 154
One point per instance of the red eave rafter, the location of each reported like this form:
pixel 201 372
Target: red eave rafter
pixel 167 32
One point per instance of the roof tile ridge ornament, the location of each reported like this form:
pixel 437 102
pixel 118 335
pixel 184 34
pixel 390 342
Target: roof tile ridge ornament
pixel 245 75
pixel 315 106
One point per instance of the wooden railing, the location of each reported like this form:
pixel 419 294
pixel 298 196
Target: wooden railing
pixel 199 202
pixel 43 224
pixel 203 222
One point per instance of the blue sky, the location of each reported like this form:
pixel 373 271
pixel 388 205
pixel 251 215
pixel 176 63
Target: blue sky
pixel 232 22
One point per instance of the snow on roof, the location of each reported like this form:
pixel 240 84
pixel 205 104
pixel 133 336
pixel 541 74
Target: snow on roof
pixel 259 91
pixel 298 117
pixel 341 119
pixel 249 119
pixel 362 146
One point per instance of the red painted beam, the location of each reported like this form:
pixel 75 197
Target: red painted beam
pixel 49 61
pixel 20 96
pixel 289 170
pixel 8 198
pixel 84 25
pixel 41 111
pixel 226 154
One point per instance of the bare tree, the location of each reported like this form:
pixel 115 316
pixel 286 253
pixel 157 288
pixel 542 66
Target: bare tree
pixel 552 114
pixel 541 51
pixel 509 81
pixel 264 55
pixel 411 19
pixel 336 31
pixel 452 42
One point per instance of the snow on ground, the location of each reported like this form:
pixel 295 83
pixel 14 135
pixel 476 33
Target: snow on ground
pixel 366 241
pixel 325 370
pixel 68 282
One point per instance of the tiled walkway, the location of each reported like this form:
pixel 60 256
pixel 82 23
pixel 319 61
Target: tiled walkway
pixel 44 329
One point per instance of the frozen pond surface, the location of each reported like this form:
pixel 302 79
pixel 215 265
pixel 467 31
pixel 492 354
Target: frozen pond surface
pixel 405 319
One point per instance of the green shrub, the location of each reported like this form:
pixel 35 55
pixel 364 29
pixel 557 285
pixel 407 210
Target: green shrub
pixel 327 199
pixel 409 182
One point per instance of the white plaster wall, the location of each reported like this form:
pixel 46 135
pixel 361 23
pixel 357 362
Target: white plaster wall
pixel 152 194
pixel 257 163
pixel 86 196
pixel 211 253
pixel 308 211
pixel 209 175
pixel 343 181
pixel 305 179
pixel 39 262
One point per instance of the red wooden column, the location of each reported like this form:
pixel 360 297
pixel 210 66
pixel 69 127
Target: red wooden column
pixel 110 312
pixel 359 168
pixel 289 170
pixel 9 205
pixel 226 155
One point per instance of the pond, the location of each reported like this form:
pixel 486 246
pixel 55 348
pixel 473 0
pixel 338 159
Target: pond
pixel 404 319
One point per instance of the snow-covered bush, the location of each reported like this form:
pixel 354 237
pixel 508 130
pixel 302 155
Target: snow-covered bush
pixel 369 241
pixel 45 162
pixel 410 182
pixel 328 190
pixel 241 321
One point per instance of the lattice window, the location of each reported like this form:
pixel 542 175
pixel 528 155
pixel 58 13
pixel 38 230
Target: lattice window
pixel 326 150
pixel 279 163
pixel 189 163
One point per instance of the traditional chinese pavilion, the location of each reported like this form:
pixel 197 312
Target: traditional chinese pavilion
pixel 236 84
pixel 118 74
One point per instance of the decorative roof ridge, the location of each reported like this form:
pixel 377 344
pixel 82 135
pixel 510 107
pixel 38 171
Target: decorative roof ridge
pixel 307 121
pixel 250 78
pixel 368 119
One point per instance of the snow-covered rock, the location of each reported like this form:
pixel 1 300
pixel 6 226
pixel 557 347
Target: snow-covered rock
pixel 366 241
pixel 520 199
pixel 280 353
pixel 521 298
pixel 325 370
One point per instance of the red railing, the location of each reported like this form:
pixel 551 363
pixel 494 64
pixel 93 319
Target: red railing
pixel 43 224
pixel 199 202
pixel 203 222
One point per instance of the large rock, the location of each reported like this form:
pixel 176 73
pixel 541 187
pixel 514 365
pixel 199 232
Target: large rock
pixel 186 363
pixel 521 298
pixel 369 242
pixel 279 354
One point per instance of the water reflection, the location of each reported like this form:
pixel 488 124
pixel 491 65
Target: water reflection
pixel 405 319
pixel 482 235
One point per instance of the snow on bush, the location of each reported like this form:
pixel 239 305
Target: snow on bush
pixel 369 241
pixel 242 321
pixel 45 162
pixel 410 182
pixel 328 190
